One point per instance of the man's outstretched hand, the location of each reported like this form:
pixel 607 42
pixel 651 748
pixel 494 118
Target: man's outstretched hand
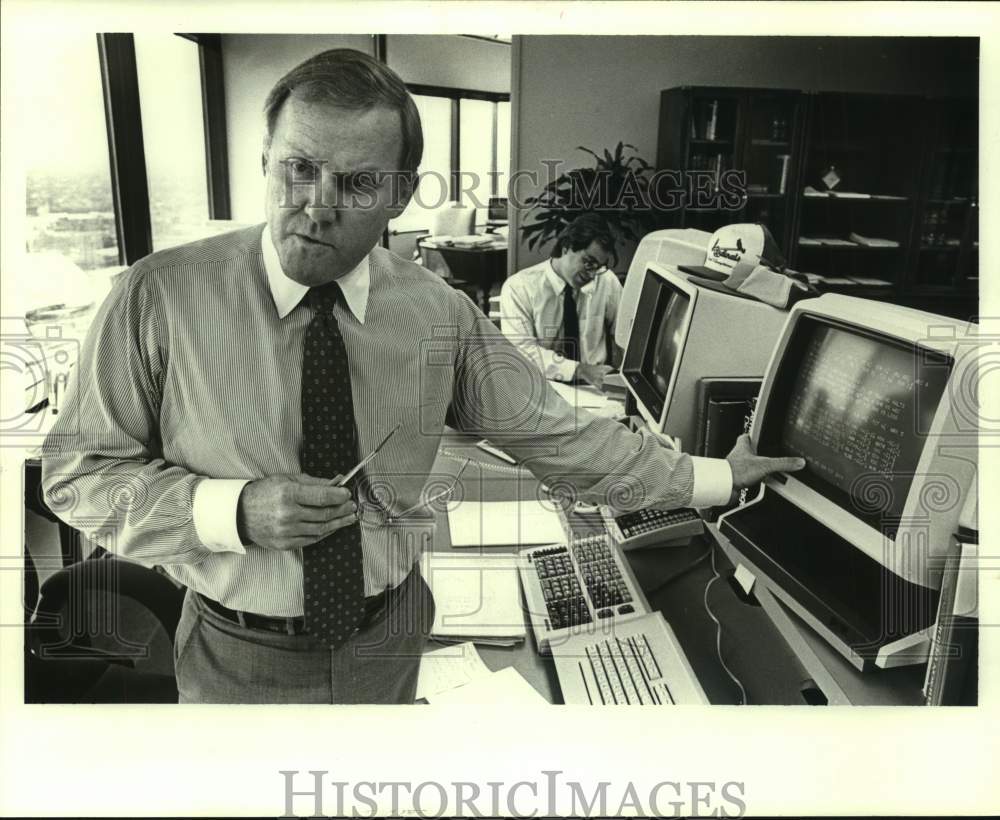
pixel 286 512
pixel 749 469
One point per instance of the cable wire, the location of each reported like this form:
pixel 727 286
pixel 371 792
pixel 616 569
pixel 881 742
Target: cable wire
pixel 675 575
pixel 718 632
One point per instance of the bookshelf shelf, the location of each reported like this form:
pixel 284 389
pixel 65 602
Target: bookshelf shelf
pixel 919 152
pixel 854 247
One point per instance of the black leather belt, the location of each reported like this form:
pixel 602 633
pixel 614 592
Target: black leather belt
pixel 374 606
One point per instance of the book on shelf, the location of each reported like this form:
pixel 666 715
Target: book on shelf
pixel 872 241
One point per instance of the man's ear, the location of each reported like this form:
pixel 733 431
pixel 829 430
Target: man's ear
pixel 403 193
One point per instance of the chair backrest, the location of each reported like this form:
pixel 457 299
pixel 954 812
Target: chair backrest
pixel 454 220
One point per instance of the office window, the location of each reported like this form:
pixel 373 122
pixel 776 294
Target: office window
pixel 70 219
pixel 173 135
pixel 483 147
pixel 477 145
pixel 435 167
pixel 503 148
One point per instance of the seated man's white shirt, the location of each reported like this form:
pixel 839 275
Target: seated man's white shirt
pixel 531 311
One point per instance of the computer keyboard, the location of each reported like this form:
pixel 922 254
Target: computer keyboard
pixel 652 527
pixel 568 586
pixel 632 662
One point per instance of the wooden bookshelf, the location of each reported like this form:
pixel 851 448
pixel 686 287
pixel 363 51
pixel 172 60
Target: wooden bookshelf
pixel 905 170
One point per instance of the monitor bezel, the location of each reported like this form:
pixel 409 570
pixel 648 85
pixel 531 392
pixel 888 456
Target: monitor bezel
pixel 638 341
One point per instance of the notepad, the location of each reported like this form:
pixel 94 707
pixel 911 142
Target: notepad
pixel 474 595
pixel 504 523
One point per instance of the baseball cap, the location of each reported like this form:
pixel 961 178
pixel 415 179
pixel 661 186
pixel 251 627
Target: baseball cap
pixel 736 249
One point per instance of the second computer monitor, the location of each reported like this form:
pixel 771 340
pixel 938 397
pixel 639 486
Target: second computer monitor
pixel 685 331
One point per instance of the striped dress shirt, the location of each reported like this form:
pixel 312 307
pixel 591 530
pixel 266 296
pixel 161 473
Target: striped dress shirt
pixel 189 385
pixel 531 316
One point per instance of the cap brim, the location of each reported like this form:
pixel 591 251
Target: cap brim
pixel 704 273
pixel 714 284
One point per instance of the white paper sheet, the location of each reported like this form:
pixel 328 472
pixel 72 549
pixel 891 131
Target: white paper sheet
pixel 507 686
pixel 448 668
pixel 475 595
pixel 504 523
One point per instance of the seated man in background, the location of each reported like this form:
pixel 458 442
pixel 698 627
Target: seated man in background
pixel 561 312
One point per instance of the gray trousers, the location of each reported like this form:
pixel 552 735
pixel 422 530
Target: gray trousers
pixel 218 661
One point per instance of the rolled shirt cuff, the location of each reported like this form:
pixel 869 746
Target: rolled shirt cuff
pixel 215 504
pixel 713 482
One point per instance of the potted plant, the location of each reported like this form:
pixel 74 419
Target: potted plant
pixel 616 188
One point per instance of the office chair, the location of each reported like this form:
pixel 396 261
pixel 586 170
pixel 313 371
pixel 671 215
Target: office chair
pixel 66 664
pixel 454 220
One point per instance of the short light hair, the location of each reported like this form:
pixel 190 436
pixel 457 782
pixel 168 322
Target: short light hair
pixel 350 79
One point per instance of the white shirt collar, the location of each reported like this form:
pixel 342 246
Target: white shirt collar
pixel 287 293
pixel 559 284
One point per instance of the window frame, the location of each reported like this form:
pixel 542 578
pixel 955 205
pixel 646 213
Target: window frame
pixel 126 153
pixel 456 95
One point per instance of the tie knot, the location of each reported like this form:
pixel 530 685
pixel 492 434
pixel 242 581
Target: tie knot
pixel 322 298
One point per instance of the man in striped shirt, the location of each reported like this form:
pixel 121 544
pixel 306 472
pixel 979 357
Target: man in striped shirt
pixel 201 390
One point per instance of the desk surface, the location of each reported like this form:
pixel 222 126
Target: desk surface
pixel 751 644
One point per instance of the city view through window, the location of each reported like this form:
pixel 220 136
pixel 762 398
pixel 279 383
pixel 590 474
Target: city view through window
pixel 70 211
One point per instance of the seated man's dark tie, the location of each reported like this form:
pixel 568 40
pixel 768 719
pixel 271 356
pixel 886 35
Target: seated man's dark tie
pixel 333 578
pixel 571 326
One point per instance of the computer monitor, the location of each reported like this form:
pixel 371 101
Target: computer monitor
pixel 497 209
pixel 684 331
pixel 672 246
pixel 866 393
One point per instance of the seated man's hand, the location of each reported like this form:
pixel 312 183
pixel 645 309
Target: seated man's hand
pixel 750 469
pixel 286 512
pixel 593 373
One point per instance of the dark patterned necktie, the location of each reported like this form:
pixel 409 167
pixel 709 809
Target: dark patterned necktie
pixel 333 579
pixel 571 325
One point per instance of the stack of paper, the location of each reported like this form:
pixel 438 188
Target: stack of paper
pixel 472 240
pixel 448 668
pixel 586 397
pixel 476 597
pixel 849 195
pixel 504 523
pixel 456 674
